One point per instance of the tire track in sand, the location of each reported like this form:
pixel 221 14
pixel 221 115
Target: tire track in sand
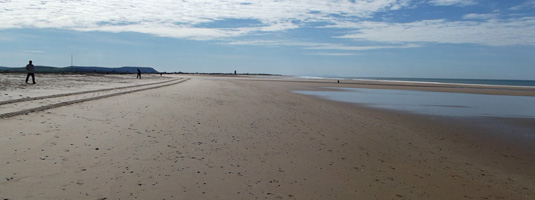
pixel 76 93
pixel 81 97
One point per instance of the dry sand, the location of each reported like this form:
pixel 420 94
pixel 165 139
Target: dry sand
pixel 241 138
pixel 12 85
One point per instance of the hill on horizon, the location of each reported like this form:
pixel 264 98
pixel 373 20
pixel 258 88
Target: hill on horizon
pixel 81 69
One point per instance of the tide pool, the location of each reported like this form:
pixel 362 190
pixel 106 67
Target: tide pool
pixel 434 103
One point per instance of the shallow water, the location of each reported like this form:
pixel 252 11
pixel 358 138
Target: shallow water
pixel 435 103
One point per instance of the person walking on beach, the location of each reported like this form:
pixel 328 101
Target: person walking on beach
pixel 138 73
pixel 31 72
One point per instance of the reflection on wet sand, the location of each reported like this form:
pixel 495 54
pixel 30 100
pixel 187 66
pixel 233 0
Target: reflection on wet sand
pixel 435 103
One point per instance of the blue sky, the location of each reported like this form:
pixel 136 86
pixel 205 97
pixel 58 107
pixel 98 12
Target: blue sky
pixel 362 38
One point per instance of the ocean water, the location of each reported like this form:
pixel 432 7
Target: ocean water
pixel 438 80
pixel 460 81
pixel 434 103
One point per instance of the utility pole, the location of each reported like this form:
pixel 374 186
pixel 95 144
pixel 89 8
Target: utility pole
pixel 71 61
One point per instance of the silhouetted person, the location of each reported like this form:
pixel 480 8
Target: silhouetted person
pixel 138 73
pixel 31 72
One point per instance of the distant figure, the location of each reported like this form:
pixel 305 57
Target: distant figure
pixel 234 72
pixel 31 72
pixel 338 81
pixel 138 73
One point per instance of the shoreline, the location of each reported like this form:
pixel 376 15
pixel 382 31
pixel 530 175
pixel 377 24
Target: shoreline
pixel 467 136
pixel 240 138
pixel 465 120
pixel 427 81
pixel 499 131
pixel 423 86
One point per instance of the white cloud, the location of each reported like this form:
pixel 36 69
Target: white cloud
pixel 188 19
pixel 333 54
pixel 360 48
pixel 272 43
pixel 530 4
pixel 176 31
pixel 179 18
pixel 452 2
pixel 479 16
pixel 33 51
pixel 518 31
pixel 321 46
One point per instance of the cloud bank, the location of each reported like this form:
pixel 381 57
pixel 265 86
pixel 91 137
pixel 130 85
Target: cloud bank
pixel 179 18
pixel 491 32
pixel 198 19
pixel 452 2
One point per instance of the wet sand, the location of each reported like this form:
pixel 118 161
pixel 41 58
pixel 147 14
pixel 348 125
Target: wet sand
pixel 251 138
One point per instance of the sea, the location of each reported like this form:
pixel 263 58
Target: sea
pixel 436 103
pixel 512 117
pixel 503 82
pixel 508 115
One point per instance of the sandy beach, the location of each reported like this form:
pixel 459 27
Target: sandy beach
pixel 209 137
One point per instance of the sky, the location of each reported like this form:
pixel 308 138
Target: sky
pixel 486 39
